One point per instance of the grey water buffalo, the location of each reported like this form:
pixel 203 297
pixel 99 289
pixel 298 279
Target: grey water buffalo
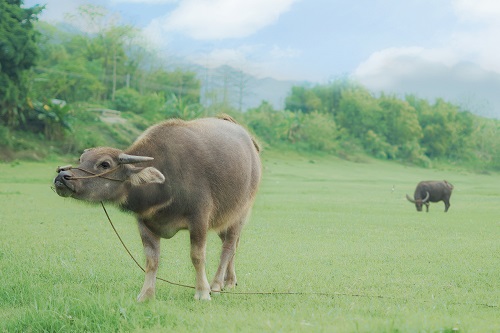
pixel 196 175
pixel 431 191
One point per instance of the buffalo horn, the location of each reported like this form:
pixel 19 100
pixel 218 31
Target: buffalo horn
pixel 426 197
pixel 127 159
pixel 410 199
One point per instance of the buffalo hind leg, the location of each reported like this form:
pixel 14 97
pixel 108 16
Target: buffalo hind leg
pixel 225 277
pixel 230 279
pixel 198 237
pixel 151 243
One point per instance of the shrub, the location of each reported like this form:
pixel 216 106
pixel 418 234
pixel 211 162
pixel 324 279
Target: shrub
pixel 127 99
pixel 5 137
pixel 319 131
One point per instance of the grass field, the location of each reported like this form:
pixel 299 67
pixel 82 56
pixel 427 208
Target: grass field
pixel 320 225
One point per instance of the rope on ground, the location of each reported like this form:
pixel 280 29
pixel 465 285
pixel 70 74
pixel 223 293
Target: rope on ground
pixel 329 294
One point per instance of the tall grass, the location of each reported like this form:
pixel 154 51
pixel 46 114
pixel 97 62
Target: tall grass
pixel 320 225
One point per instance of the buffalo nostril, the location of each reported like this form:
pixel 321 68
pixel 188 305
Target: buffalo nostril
pixel 64 175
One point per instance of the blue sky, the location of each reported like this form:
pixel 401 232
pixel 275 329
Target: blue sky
pixel 445 48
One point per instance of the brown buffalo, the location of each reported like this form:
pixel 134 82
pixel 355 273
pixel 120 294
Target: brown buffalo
pixel 431 191
pixel 196 175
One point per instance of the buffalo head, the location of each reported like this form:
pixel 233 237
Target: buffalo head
pixel 104 174
pixel 418 202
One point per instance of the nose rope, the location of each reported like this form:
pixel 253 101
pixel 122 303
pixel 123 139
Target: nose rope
pixel 93 175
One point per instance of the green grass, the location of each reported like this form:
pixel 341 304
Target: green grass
pixel 320 224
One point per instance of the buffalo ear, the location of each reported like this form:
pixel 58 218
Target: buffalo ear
pixel 147 175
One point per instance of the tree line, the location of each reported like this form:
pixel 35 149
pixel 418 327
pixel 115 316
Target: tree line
pixel 345 117
pixel 50 76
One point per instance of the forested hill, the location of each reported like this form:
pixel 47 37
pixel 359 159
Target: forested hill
pixel 57 82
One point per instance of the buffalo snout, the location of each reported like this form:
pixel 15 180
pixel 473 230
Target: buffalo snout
pixel 64 175
pixel 63 183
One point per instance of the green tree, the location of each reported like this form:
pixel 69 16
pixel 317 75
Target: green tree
pixel 302 99
pixel 153 107
pixel 104 42
pixel 402 129
pixel 360 112
pixel 401 121
pixel 314 131
pixel 486 140
pixel 447 131
pixel 18 53
pixel 183 85
pixel 54 119
pixel 177 108
pixel 319 131
pixel 261 120
pixel 128 99
pixel 71 79
pixel 289 128
pixel 331 94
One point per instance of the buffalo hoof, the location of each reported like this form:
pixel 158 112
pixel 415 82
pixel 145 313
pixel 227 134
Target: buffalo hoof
pixel 202 295
pixel 146 295
pixel 216 288
pixel 230 283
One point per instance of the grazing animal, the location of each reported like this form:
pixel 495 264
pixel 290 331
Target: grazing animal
pixel 431 191
pixel 196 175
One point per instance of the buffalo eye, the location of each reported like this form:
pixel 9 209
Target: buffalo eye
pixel 105 165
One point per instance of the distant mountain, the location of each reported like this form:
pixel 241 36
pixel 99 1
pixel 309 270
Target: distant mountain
pixel 271 90
pixel 241 90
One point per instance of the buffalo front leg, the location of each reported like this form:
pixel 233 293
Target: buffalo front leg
pixel 198 237
pixel 151 243
pixel 446 205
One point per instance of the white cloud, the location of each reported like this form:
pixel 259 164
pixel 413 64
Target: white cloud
pixel 283 53
pixel 238 58
pixel 219 19
pixel 218 57
pixel 387 62
pixel 154 33
pixel 148 2
pixel 431 74
pixel 475 10
pixel 467 64
pixel 257 60
pixel 56 10
pixel 479 44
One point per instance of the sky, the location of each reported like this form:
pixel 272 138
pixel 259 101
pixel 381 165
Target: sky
pixel 430 48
